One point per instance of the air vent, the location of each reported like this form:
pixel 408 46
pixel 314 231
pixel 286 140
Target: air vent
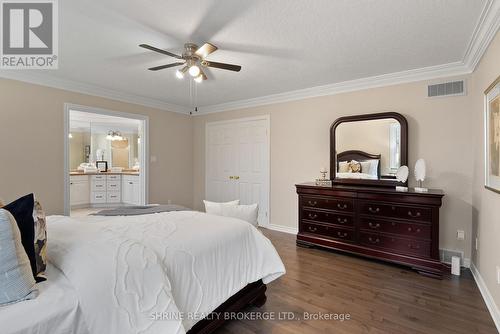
pixel 446 89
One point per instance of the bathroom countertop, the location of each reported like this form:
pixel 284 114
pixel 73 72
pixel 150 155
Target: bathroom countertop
pixel 73 173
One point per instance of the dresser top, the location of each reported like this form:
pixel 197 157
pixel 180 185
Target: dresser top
pixel 372 189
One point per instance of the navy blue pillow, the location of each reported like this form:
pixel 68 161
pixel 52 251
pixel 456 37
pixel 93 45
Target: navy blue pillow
pixel 22 210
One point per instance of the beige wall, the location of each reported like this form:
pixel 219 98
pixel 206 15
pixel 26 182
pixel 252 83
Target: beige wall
pixel 486 204
pixel 31 133
pixel 439 131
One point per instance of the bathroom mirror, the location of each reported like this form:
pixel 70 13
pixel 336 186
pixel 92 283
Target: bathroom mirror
pixel 368 149
pixel 116 144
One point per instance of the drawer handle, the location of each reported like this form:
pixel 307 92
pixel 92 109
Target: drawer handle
pixel 413 246
pixel 374 226
pixel 130 183
pixel 312 229
pixel 414 215
pixel 312 203
pixel 373 241
pixel 416 231
pixel 313 216
pixel 342 235
pixel 372 210
pixel 342 207
pixel 342 221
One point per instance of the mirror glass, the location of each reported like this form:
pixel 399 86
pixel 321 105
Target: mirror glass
pixel 117 144
pixel 368 149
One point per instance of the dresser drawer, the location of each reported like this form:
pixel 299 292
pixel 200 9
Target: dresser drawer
pixel 99 186
pixel 397 211
pixel 396 244
pixel 328 231
pixel 421 231
pixel 114 185
pixel 330 203
pixel 327 217
pixel 113 177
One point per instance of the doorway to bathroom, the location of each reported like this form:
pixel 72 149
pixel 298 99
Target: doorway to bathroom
pixel 105 159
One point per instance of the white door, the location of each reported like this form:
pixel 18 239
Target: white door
pixel 237 163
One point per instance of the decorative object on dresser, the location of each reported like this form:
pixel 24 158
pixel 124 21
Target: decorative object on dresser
pixel 420 170
pixel 378 143
pixel 402 176
pixel 377 222
pixel 102 166
pixel 323 180
pixel 492 137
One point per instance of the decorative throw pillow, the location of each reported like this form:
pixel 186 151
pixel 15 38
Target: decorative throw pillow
pixel 366 167
pixel 343 167
pixel 22 210
pixel 354 166
pixel 16 278
pixel 248 213
pixel 215 208
pixel 40 242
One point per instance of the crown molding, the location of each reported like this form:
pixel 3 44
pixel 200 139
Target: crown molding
pixel 484 32
pixel 93 90
pixel 425 73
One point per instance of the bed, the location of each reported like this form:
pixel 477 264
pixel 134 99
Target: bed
pixel 159 273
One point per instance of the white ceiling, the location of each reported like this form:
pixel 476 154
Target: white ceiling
pixel 282 45
pixel 98 123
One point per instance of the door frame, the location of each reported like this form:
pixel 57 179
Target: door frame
pixel 267 176
pixel 144 172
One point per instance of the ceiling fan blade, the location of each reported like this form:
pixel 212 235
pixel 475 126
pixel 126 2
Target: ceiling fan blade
pixel 152 48
pixel 206 49
pixel 156 68
pixel 223 66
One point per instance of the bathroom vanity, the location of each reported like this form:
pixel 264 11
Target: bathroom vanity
pixel 105 189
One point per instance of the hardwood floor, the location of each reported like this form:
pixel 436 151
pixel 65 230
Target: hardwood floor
pixel 379 297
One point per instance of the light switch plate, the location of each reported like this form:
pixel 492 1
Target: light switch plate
pixel 460 235
pixel 498 275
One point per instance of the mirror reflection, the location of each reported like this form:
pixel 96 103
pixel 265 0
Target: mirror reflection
pixel 116 143
pixel 368 149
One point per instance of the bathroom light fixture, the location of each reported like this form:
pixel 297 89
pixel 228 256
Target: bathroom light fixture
pixel 114 135
pixel 70 136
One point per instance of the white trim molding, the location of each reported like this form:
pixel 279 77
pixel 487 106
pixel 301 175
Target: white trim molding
pixel 281 228
pixel 484 32
pixel 488 298
pixel 94 90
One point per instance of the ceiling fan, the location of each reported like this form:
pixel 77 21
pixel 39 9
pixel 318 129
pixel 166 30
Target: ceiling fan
pixel 193 59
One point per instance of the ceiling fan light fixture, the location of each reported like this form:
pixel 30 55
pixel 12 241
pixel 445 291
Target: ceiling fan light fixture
pixel 199 78
pixel 194 71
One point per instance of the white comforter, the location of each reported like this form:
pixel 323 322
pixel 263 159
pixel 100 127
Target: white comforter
pixel 157 273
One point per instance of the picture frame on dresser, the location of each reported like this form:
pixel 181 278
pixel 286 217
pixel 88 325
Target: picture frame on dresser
pixel 102 166
pixel 492 137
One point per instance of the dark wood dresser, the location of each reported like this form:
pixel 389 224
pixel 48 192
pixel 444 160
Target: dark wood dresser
pixel 377 222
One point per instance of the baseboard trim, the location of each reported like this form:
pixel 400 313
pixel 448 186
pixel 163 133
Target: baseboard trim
pixel 281 228
pixel 488 298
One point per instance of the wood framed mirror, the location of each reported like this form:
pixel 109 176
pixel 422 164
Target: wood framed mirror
pixel 368 149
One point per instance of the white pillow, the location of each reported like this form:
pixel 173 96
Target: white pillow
pixel 343 167
pixel 366 167
pixel 215 208
pixel 248 213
